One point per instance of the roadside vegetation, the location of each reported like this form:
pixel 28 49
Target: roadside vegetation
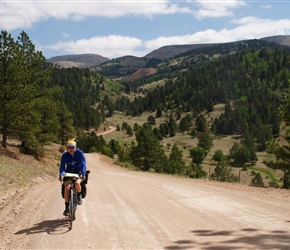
pixel 214 115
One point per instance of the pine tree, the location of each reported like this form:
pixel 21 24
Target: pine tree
pixel 66 130
pixel 223 172
pixel 257 180
pixel 205 141
pixel 248 141
pixel 185 123
pixel 129 131
pixel 197 154
pixel 218 156
pixel 172 126
pixel 200 124
pixel 281 152
pixel 148 154
pixel 25 95
pixel 176 163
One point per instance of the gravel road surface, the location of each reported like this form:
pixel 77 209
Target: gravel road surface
pixel 134 210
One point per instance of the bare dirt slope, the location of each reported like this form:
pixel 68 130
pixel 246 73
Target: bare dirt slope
pixel 134 210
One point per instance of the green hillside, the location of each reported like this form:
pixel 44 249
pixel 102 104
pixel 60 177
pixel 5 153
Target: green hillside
pixel 248 81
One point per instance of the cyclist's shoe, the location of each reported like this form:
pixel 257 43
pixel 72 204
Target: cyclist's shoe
pixel 80 199
pixel 66 212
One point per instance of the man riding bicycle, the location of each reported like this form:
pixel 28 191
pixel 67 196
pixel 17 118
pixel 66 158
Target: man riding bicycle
pixel 72 161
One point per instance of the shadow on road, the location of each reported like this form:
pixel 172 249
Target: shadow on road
pixel 248 238
pixel 58 226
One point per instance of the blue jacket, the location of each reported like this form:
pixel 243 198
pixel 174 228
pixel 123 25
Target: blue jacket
pixel 75 163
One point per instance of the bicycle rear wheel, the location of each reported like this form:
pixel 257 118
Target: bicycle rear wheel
pixel 71 208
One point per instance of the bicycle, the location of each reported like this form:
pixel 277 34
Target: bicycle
pixel 73 198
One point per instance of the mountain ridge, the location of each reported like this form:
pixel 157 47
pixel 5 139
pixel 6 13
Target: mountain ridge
pixel 78 60
pixel 90 60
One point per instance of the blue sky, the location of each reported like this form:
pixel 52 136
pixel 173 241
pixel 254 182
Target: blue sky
pixel 122 27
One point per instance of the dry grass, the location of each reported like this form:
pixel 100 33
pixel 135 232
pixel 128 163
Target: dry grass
pixel 14 173
pixel 186 142
pixel 20 170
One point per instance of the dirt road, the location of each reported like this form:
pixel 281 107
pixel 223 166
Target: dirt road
pixel 133 210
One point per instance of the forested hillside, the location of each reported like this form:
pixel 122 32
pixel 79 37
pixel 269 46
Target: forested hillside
pixel 256 81
pixel 124 66
pixel 87 94
pixel 253 85
pixel 41 103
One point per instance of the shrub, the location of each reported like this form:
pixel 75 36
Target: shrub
pixel 257 181
pixel 61 149
pixel 224 173
pixel 273 184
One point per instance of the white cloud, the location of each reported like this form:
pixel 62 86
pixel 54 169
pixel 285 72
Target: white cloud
pixel 108 46
pixel 249 28
pixel 65 35
pixel 17 14
pixel 266 6
pixel 217 8
pixel 113 46
pixel 258 27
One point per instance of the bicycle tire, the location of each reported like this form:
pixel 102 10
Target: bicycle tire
pixel 71 208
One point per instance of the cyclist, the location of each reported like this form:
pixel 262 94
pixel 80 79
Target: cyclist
pixel 72 161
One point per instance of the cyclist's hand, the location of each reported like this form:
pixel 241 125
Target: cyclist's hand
pixel 60 178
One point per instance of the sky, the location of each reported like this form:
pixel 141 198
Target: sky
pixel 116 28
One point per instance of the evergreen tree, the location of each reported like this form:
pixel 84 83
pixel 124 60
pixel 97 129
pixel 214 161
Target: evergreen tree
pixel 129 131
pixel 25 94
pixel 223 173
pixel 257 181
pixel 218 156
pixel 176 163
pixel 157 134
pixel 148 154
pixel 196 171
pixel 263 135
pixel 66 130
pixel 281 160
pixel 281 152
pixel 200 124
pixel 248 141
pixel 123 155
pixel 172 126
pixel 233 150
pixel 205 141
pixel 197 154
pixel 164 129
pixel 136 127
pixel 158 112
pixel 151 120
pixel 185 123
pixel 242 155
pixel 114 146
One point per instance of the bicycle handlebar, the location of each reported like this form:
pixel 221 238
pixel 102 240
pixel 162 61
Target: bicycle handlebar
pixel 71 175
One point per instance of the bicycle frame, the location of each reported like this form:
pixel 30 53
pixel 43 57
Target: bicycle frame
pixel 72 195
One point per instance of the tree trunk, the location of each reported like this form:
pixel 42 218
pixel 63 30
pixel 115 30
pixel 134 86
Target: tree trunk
pixel 284 178
pixel 62 135
pixel 4 139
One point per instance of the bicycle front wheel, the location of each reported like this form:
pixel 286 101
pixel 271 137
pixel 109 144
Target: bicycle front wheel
pixel 71 208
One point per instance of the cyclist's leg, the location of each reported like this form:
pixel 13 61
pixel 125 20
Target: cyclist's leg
pixel 78 185
pixel 66 195
pixel 66 183
pixel 79 190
